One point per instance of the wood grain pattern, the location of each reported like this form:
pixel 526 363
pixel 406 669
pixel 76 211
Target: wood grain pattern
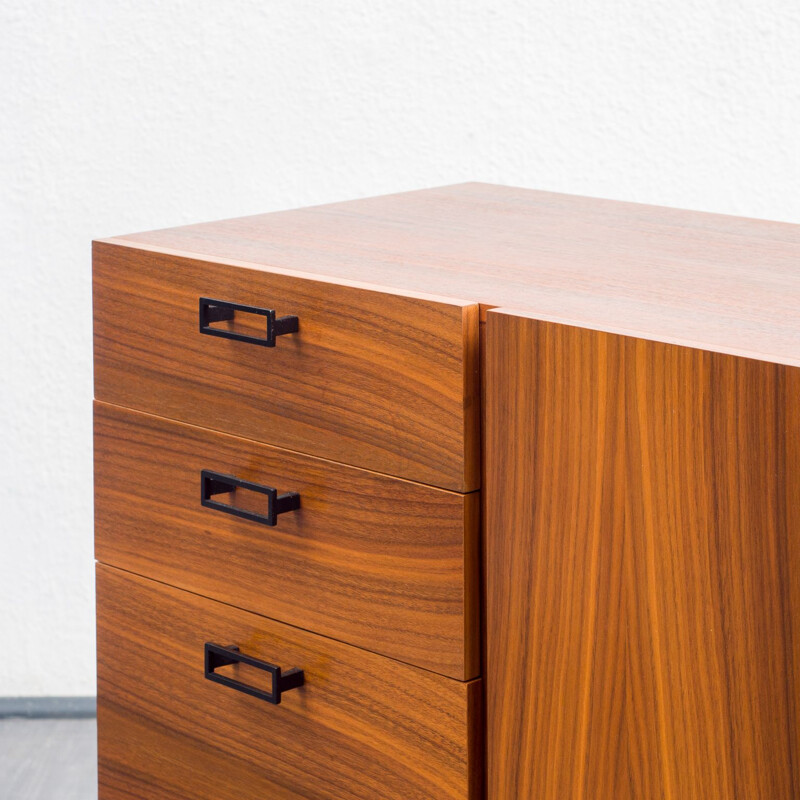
pixel 643 546
pixel 719 283
pixel 375 561
pixel 362 727
pixel 378 380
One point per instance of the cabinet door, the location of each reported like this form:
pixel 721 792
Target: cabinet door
pixel 642 568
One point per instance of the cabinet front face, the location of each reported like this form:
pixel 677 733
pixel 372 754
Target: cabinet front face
pixel 374 561
pixel 382 381
pixel 642 563
pixel 360 726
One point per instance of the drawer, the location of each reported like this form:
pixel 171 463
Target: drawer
pixel 361 726
pixel 382 563
pixel 382 381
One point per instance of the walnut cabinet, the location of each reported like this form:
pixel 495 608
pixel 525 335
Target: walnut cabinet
pixel 471 493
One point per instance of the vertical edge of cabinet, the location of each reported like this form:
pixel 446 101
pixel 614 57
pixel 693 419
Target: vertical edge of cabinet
pixel 471 326
pixel 380 379
pixel 642 543
pixel 482 543
pixel 476 741
pixel 473 601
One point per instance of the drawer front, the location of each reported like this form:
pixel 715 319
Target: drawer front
pixel 382 563
pixel 381 381
pixel 361 726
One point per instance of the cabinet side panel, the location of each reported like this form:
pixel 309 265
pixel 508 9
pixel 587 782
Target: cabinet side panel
pixel 641 568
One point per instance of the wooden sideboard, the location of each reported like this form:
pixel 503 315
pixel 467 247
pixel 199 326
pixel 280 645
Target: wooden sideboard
pixel 471 492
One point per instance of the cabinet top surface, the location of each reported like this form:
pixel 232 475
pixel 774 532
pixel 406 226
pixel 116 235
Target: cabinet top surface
pixel 720 283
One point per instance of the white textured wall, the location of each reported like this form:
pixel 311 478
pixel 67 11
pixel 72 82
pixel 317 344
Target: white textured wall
pixel 121 116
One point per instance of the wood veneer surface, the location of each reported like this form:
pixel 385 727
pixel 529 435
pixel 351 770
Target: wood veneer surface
pixel 362 727
pixel 378 380
pixel 716 282
pixel 643 569
pixel 378 562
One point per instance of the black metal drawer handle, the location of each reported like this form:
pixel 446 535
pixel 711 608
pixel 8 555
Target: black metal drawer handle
pixel 212 483
pixel 220 311
pixel 218 656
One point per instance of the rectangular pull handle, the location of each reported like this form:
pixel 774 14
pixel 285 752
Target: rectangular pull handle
pixel 212 311
pixel 217 656
pixel 214 483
